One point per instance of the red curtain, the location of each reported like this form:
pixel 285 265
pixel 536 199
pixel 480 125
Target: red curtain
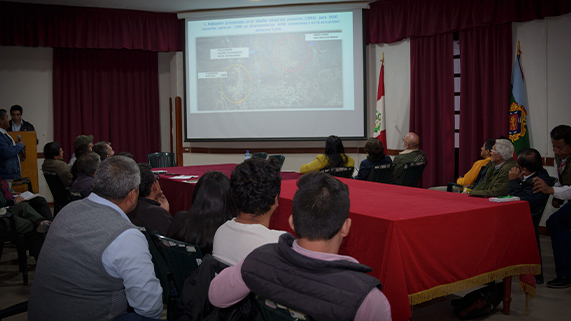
pixel 432 105
pixel 486 64
pixel 393 20
pixel 112 94
pixel 33 25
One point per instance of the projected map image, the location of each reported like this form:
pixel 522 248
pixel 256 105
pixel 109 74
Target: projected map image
pixel 261 71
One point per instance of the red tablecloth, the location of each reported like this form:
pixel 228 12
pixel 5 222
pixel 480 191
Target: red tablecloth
pixel 424 244
pixel 179 192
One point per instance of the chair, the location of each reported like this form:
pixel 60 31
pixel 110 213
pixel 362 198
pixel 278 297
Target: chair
pixel 74 196
pixel 412 172
pixel 381 173
pixel 18 239
pixel 346 172
pixel 479 179
pixel 181 258
pixel 536 219
pixel 14 309
pixel 280 158
pixel 161 268
pixel 261 155
pixel 272 311
pixel 162 160
pixel 59 192
pixel 22 181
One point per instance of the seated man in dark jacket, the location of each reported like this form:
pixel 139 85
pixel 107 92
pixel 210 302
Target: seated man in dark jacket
pixel 301 273
pixel 152 209
pixel 521 185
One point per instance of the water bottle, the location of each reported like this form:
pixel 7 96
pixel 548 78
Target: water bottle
pixel 248 155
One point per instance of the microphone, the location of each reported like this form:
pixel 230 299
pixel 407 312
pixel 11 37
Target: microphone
pixel 19 137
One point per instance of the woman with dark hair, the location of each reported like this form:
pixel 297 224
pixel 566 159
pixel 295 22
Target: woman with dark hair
pixel 211 206
pixel 334 157
pixel 375 156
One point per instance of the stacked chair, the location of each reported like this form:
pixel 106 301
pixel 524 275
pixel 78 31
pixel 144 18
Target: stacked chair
pixel 163 159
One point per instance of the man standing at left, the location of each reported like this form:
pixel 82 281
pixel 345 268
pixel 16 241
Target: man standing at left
pixel 95 263
pixel 9 149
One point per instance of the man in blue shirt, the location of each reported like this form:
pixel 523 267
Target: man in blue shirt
pixel 95 263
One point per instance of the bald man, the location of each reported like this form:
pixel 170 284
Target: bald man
pixel 411 154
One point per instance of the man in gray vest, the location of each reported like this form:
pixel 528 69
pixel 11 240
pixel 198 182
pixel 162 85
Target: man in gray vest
pixel 307 274
pixel 95 263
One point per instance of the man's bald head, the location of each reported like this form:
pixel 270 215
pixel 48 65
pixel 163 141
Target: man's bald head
pixel 411 141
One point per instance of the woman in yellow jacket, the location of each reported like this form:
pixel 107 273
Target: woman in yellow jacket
pixel 334 157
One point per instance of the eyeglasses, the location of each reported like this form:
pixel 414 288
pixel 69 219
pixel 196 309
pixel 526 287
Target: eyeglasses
pixel 493 151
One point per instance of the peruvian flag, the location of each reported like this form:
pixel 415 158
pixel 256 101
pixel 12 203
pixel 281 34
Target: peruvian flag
pixel 380 120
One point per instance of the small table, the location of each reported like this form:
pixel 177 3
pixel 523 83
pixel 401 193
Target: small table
pixel 179 192
pixel 424 244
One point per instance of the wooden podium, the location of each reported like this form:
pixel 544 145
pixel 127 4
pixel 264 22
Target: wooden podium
pixel 29 167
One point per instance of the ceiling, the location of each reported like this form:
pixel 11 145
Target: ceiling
pixel 179 5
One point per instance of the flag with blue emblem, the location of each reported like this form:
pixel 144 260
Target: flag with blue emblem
pixel 519 135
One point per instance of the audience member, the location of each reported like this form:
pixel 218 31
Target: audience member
pixel 211 207
pixel 559 222
pixel 375 157
pixel 469 179
pixel 25 219
pixel 152 209
pixel 81 145
pixel 496 182
pixel 411 154
pixel 9 150
pixel 17 123
pixel 334 157
pixel 125 154
pixel 54 162
pixel 86 166
pixel 38 203
pixel 521 185
pixel 95 264
pixel 255 187
pixel 302 273
pixel 103 149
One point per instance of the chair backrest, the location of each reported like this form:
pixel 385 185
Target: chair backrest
pixel 272 311
pixel 539 213
pixel 381 173
pixel 412 172
pixel 261 155
pixel 59 192
pixel 163 159
pixel 181 258
pixel 74 196
pixel 161 268
pixel 346 172
pixel 280 158
pixel 481 175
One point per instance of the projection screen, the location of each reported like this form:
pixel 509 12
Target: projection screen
pixel 287 76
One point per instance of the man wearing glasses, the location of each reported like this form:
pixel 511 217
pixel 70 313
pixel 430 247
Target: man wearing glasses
pixel 496 183
pixel 152 209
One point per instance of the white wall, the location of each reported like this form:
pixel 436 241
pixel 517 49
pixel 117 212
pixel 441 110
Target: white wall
pixel 26 80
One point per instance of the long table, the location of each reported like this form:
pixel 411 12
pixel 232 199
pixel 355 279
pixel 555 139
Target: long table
pixel 424 244
pixel 179 192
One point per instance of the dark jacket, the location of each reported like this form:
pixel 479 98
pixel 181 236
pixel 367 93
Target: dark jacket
pixel 194 303
pixel 151 215
pixel 26 127
pixel 366 165
pixel 524 190
pixel 278 273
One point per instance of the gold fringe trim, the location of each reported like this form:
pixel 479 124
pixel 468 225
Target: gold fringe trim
pixel 529 294
pixel 446 289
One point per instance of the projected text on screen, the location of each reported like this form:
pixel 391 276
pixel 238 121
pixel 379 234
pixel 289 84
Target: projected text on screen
pixel 280 63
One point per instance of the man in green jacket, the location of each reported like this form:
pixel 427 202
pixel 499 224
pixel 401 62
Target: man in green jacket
pixel 412 153
pixel 497 183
